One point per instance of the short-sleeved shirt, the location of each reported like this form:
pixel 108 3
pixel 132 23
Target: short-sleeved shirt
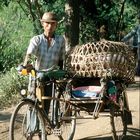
pixel 47 55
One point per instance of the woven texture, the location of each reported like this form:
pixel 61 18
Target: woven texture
pixel 101 59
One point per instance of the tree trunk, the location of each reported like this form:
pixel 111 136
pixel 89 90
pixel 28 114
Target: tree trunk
pixel 72 23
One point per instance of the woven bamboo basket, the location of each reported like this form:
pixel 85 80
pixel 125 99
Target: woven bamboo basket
pixel 99 59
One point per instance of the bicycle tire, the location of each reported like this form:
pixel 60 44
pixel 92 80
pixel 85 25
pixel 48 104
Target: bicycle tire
pixel 118 119
pixel 66 110
pixel 20 124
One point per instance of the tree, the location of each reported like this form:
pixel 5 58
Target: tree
pixel 82 21
pixel 72 23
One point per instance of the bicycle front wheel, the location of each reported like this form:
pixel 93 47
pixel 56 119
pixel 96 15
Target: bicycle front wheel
pixel 26 122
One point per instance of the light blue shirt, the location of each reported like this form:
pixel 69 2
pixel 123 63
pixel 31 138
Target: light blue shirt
pixel 47 55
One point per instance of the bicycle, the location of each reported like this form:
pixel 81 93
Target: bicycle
pixel 32 121
pixel 22 127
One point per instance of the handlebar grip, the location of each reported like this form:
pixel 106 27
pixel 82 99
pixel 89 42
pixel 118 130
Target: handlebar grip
pixel 24 72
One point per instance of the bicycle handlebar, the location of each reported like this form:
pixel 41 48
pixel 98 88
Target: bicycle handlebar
pixel 52 72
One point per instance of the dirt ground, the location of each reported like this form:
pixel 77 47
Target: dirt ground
pixel 93 129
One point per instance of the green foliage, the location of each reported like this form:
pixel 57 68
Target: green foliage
pixel 4 3
pixel 10 85
pixel 19 21
pixel 129 17
pixel 108 14
pixel 15 31
pixel 87 31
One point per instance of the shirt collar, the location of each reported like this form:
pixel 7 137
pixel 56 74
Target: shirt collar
pixel 53 36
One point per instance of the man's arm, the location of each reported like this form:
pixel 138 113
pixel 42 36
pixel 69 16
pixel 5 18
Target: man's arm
pixel 129 35
pixel 27 59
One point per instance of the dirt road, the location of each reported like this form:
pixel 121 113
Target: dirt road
pixel 93 129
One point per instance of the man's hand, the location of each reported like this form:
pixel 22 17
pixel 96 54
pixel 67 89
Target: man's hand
pixel 24 70
pixel 29 67
pixel 20 68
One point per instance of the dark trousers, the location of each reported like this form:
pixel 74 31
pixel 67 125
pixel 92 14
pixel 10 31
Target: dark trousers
pixel 47 92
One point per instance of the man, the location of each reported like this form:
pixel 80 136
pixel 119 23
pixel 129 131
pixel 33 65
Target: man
pixel 48 50
pixel 135 33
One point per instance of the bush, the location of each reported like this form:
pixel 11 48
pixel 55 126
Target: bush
pixel 15 32
pixel 10 85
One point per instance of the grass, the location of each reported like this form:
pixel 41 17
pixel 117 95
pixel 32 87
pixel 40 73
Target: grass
pixel 10 84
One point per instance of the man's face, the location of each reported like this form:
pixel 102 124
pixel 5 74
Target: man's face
pixel 49 27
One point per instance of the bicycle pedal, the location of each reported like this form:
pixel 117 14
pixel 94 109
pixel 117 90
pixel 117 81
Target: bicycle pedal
pixel 57 132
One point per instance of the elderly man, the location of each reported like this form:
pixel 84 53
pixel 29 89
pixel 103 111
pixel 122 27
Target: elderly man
pixel 48 50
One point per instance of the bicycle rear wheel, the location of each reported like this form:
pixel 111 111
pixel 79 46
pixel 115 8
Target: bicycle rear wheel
pixel 118 119
pixel 26 122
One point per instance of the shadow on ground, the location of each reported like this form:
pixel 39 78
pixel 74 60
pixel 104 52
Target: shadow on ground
pixel 134 86
pixel 5 117
pixel 133 134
